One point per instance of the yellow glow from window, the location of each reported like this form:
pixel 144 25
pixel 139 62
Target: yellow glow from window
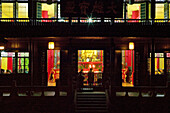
pixel 159 62
pixel 4 63
pixel 159 11
pixel 22 10
pixel 130 8
pixel 7 10
pixel 49 8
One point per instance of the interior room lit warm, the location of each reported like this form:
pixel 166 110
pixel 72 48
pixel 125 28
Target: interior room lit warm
pixel 53 66
pixel 91 59
pixel 127 68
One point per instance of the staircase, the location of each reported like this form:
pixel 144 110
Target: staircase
pixel 89 101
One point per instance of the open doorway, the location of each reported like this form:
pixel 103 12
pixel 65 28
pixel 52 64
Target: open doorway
pixel 53 67
pixel 127 68
pixel 91 59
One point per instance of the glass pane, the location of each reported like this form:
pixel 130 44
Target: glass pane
pixel 22 10
pixel 127 68
pixel 47 11
pixel 158 55
pixel 168 55
pixel 159 11
pixel 4 54
pixel 133 11
pixel 7 65
pixel 26 65
pixel 23 54
pixel 26 69
pixel 20 65
pixel 26 54
pixel 20 54
pixel 159 66
pixel 7 10
pixel 53 66
pixel 8 54
pixel 91 59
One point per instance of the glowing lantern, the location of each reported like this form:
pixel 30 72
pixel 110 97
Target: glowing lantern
pixel 131 45
pixel 2 47
pixel 50 45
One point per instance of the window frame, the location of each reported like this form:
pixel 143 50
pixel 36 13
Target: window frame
pixel 15 2
pixel 17 65
pixel 15 71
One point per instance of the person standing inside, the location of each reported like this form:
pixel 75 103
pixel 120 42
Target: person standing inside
pixel 80 79
pixel 90 77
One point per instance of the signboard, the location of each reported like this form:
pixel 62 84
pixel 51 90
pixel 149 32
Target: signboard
pixel 92 8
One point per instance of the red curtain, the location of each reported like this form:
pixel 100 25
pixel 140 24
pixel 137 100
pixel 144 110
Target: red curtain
pixel 10 64
pixel 44 15
pixel 50 61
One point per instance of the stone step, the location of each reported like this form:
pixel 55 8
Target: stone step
pixel 92 105
pixel 92 111
pixel 91 108
pixel 91 99
pixel 89 93
pixel 91 96
pixel 91 102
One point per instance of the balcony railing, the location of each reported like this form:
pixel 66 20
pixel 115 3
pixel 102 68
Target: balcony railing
pixel 55 21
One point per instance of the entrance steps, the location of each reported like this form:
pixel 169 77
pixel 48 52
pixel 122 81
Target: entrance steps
pixel 89 101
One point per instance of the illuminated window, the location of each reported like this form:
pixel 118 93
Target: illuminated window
pixel 53 66
pixel 7 62
pixel 45 10
pixel 22 10
pixel 23 62
pixel 133 11
pixel 7 10
pixel 159 64
pixel 159 11
pixel 136 11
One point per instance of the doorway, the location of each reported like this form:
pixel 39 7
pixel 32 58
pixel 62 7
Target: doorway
pixel 127 68
pixel 91 59
pixel 53 67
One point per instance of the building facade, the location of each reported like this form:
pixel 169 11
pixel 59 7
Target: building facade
pixel 30 28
